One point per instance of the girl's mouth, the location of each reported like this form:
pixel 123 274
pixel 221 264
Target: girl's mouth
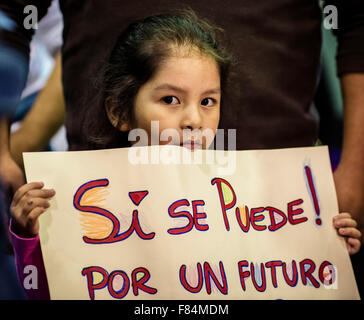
pixel 192 145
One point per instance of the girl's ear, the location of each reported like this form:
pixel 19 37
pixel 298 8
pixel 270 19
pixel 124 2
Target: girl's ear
pixel 114 117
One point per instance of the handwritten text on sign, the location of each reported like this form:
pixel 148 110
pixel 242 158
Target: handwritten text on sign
pixel 252 218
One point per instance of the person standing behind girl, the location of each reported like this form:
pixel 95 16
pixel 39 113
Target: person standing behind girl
pixel 172 68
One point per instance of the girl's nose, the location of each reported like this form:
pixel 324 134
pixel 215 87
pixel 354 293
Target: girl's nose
pixel 192 118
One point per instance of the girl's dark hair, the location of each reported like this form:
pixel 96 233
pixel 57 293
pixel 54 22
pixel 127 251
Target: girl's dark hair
pixel 137 54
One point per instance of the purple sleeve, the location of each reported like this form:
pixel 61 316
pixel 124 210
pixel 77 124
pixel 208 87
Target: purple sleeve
pixel 27 251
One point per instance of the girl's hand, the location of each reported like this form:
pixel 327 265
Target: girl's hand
pixel 29 202
pixel 346 227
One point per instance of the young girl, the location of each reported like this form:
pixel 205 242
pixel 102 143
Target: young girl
pixel 169 68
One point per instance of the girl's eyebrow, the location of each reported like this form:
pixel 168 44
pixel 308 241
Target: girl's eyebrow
pixel 174 88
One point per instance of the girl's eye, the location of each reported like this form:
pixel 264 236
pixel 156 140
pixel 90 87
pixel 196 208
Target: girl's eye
pixel 208 102
pixel 170 100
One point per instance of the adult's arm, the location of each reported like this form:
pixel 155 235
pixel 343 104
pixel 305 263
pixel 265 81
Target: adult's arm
pixel 18 38
pixel 349 176
pixel 11 176
pixel 43 120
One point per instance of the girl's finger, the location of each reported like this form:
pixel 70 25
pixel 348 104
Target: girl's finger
pixel 42 193
pixel 353 245
pixel 345 222
pixel 342 215
pixel 32 224
pixel 350 232
pixel 36 202
pixel 24 189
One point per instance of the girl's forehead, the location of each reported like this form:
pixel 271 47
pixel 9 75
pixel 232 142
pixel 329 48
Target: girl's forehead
pixel 190 68
pixel 190 75
pixel 189 59
pixel 184 50
pixel 189 51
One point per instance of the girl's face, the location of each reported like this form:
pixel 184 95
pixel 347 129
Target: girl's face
pixel 183 94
